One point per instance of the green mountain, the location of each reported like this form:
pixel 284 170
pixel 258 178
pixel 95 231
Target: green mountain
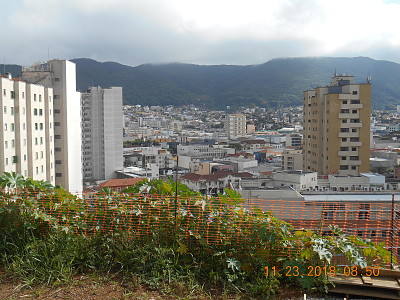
pixel 278 82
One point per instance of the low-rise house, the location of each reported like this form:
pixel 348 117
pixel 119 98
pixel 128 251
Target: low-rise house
pixel 212 184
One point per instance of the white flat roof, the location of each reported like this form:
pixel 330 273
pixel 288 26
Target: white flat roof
pixel 351 197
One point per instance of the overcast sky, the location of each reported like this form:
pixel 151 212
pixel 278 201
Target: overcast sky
pixel 242 32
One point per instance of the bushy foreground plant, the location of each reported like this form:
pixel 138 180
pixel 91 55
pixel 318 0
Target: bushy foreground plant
pixel 47 235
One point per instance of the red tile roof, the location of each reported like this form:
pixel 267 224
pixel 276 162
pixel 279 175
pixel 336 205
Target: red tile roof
pixel 121 182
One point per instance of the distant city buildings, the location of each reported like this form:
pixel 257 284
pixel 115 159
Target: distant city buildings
pixel 102 123
pixel 337 127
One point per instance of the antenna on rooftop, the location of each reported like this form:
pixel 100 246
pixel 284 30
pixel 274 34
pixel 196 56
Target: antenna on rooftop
pixel 335 73
pixel 369 78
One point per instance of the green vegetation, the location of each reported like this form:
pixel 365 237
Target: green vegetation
pixel 161 239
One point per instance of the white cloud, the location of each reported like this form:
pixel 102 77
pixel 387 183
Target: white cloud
pixel 201 31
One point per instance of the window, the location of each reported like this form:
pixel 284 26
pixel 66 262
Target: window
pixel 4 92
pixel 12 143
pixel 12 126
pixel 58 174
pixel 344 148
pixel 12 95
pixel 57 149
pixel 354 93
pixel 354 130
pixel 58 162
pixel 57 136
pixel 6 145
pixel 344 121
pixel 36 142
pixel 344 129
pixel 15 159
pixel 36 126
pixel 353 149
pixel 6 161
pixel 12 111
pixel 5 109
pixel 344 111
pixel 354 111
pixel 40 112
pixel 40 98
pixel 343 158
pixel 57 124
pixel 353 167
pixel 344 102
pixel 354 158
pixel 41 126
pixel 354 139
pixel 23 95
pixel 344 167
pixel 35 112
pixel 41 140
pixel 344 139
pixel 57 111
pixel 34 99
pixel 37 170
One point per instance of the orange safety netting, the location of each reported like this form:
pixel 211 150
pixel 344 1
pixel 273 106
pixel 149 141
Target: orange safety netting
pixel 211 221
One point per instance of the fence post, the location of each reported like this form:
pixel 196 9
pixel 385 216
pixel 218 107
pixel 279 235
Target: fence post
pixel 392 234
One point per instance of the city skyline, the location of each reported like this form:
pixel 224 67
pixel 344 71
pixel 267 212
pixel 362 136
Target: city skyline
pixel 200 32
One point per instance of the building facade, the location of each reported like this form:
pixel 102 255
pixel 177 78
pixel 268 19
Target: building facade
pixel 337 127
pixel 102 134
pixel 60 75
pixel 26 129
pixel 235 125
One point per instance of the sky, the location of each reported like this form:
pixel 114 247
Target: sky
pixel 239 32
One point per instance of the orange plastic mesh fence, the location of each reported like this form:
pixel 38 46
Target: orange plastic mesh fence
pixel 214 222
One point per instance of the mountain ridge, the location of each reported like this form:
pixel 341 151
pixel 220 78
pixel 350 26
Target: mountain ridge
pixel 275 83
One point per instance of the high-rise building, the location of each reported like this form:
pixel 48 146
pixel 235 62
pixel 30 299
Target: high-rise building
pixel 102 133
pixel 26 129
pixel 235 125
pixel 61 76
pixel 337 127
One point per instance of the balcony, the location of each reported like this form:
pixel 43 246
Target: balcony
pixel 345 116
pixel 348 134
pixel 356 106
pixel 344 153
pixel 355 125
pixel 354 162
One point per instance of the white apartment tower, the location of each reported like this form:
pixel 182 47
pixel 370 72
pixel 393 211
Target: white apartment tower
pixel 102 134
pixel 26 129
pixel 61 76
pixel 235 125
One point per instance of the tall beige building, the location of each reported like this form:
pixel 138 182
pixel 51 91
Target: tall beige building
pixel 337 127
pixel 26 129
pixel 235 125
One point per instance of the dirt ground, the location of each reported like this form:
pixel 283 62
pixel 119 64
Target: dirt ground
pixel 87 287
